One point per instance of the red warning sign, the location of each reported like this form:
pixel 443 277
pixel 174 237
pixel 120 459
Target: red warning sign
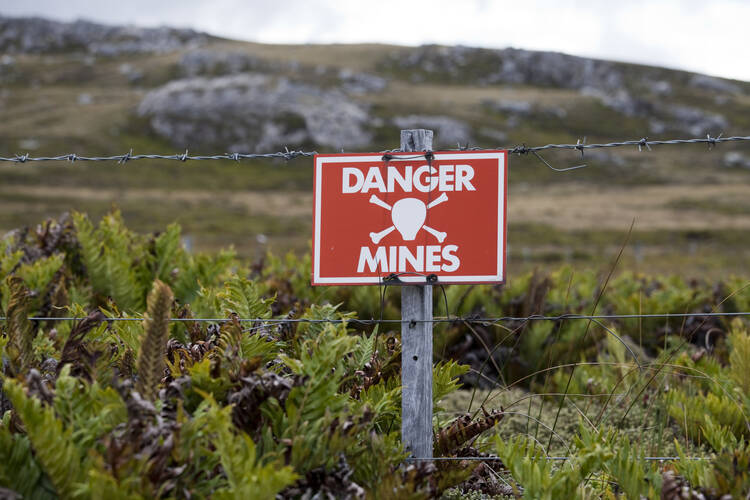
pixel 409 215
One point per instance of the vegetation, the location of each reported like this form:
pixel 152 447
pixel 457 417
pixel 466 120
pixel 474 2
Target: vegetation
pixel 237 409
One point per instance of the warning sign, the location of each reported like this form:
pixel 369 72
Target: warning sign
pixel 409 215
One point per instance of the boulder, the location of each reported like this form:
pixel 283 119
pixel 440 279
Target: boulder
pixel 735 159
pixel 254 112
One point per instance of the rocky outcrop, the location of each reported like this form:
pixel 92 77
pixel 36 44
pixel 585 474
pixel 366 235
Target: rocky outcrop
pixel 254 112
pixel 713 84
pixel 24 35
pixel 489 66
pixel 206 62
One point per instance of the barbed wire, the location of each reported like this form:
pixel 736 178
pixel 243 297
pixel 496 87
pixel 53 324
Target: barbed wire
pixel 580 146
pixel 562 458
pixel 451 319
pixel 183 157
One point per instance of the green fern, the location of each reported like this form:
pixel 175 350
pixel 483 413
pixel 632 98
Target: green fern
pixel 19 470
pixel 38 277
pixel 52 442
pixel 168 253
pixel 246 477
pixel 243 298
pixel 633 475
pixel 542 478
pixel 445 378
pixel 739 357
pixel 9 260
pixel 89 410
pixel 106 252
pixel 203 381
pixel 306 420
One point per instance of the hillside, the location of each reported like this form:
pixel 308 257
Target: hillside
pixel 87 88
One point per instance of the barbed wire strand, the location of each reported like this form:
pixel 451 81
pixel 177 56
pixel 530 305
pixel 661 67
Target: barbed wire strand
pixel 489 459
pixel 452 319
pixel 288 154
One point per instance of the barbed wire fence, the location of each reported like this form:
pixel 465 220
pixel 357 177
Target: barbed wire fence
pixel 581 146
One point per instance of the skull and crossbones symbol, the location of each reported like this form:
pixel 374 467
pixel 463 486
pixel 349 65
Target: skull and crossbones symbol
pixel 408 216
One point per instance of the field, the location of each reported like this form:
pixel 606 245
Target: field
pixel 200 363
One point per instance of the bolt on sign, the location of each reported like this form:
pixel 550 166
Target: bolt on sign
pixel 411 215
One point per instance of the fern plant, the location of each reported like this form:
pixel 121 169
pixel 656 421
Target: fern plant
pixel 154 342
pixel 107 253
pixel 63 462
pixel 20 330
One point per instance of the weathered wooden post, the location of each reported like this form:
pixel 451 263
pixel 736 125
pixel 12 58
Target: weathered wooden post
pixel 416 344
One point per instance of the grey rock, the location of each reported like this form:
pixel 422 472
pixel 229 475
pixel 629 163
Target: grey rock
pixel 696 121
pixel 496 135
pixel 356 82
pixel 29 144
pixel 24 35
pixel 660 87
pixel 254 112
pixel 605 158
pixel 508 106
pixel 620 100
pixel 714 84
pixel 131 73
pixel 447 130
pixel 736 159
pixel 656 126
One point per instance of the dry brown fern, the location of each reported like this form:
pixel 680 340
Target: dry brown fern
pixel 154 341
pixel 463 429
pixel 20 330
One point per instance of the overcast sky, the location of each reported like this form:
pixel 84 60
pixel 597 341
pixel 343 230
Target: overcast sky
pixel 704 36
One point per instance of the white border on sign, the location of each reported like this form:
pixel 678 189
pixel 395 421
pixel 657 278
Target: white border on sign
pixel 321 161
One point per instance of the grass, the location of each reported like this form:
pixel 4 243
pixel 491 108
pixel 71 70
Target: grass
pixel 534 414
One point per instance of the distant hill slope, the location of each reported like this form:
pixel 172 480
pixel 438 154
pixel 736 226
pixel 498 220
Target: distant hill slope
pixel 88 88
pixel 219 94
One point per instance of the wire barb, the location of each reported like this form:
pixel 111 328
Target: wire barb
pixel 124 158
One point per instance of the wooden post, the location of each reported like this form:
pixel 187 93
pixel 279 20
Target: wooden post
pixel 416 344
